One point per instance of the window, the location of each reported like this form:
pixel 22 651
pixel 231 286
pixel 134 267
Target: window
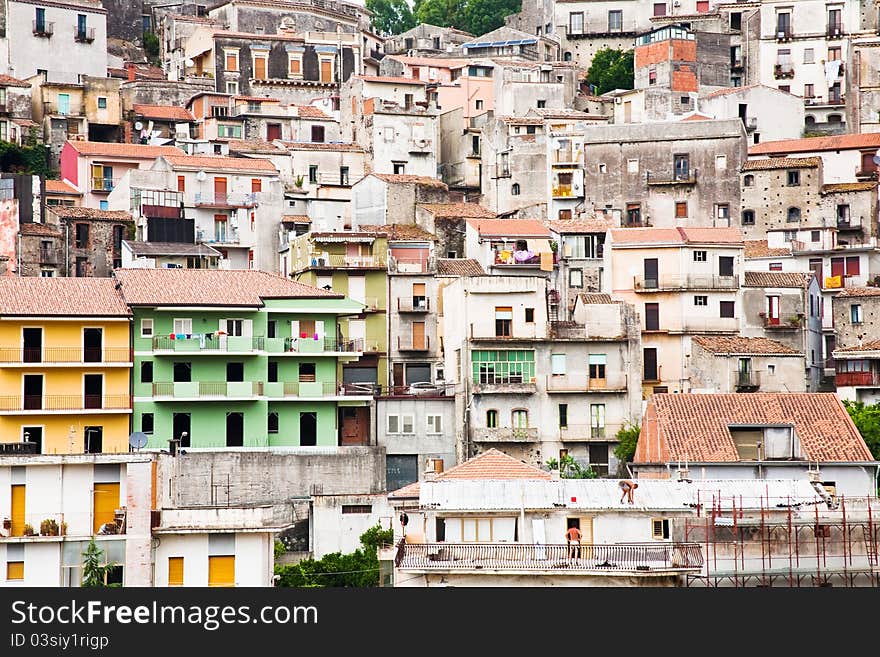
pixel 519 418
pixel 182 372
pixel 147 422
pixel 317 134
pixel 632 166
pixel 435 424
pixel 597 420
pixel 542 104
pixel 306 372
pixel 727 308
pixel 313 174
pixel 855 313
pixel 659 8
pixel 563 415
pixel 514 189
pixel 478 104
pixel 596 366
pixel 793 215
pixel 748 217
pixel 725 265
pixel 326 70
pixel 357 508
pixel 146 328
pixel 557 364
pixel 575 278
pixel 232 87
pixel 809 91
pixel 815 236
pixel 775 266
pixel 147 371
pixel 492 419
pixel 14 569
pixel 229 131
pixel 660 528
pixel 834 53
pixel 183 326
pixel 576 22
pixel 81 236
pixel 530 315
pixel 701 300
pixel 261 61
pixel 398 424
pixel 615 20
pixel 652 316
pixel 789 235
pixel 272 422
pixel 809 56
pixel 82 265
pixel 602 168
pixel 231 57
pixel 748 180
pixel 102 102
pixel 700 256
pixel 720 162
pixel 723 211
pixel 272 372
pixel 503 321
pixel 400 168
pixel 294 65
pixel 794 178
pixel 702 6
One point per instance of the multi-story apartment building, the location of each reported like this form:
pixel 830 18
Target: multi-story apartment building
pixel 66 365
pixel 426 40
pixel 90 244
pixel 513 155
pixel 845 158
pixel 381 198
pixel 684 282
pixel 767 113
pixel 239 359
pixel 535 386
pixel 511 247
pixel 511 43
pixel 16 114
pixel 580 258
pixel 857 352
pixel 722 364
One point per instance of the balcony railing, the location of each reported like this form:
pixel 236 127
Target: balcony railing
pixel 834 30
pixel 591 30
pixel 421 145
pixel 77 403
pixel 49 355
pixel 71 524
pixel 209 343
pixel 19 449
pixel 413 343
pixel 503 380
pixel 612 382
pixel 839 282
pixel 685 282
pixel 707 325
pixel 789 323
pixel 311 346
pixel 676 178
pixel 207 389
pixel 334 180
pixel 411 265
pixel 566 156
pixel 747 381
pixel 417 390
pixel 219 200
pixel 48 256
pixel 334 261
pixel 505 435
pixel 566 191
pixel 413 305
pixel 309 390
pixel 103 185
pixel 610 559
pixel 511 258
pixel 783 33
pixel 588 432
pixel 84 36
pixel 856 379
pixel 782 71
pixel 43 29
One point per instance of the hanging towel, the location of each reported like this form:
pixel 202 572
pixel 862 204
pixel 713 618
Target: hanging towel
pixel 546 261
pixel 832 71
pixel 201 340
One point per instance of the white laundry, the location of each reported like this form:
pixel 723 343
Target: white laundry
pixel 832 70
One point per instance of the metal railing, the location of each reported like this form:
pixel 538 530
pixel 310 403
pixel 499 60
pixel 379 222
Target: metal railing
pixel 334 179
pixel 413 344
pixel 750 379
pixel 220 200
pixel 834 30
pixel 208 389
pixel 311 346
pixel 413 305
pixel 307 389
pixel 64 355
pixel 676 178
pixel 48 256
pixel 42 28
pixel 64 402
pixel 613 381
pixel 103 184
pixel 614 558
pixel 209 343
pixel 84 36
pixel 783 71
pixel 416 390
pixel 412 265
pixel 685 282
pixel 504 434
pixel 19 449
pixel 588 432
pixel 856 379
pixel 334 261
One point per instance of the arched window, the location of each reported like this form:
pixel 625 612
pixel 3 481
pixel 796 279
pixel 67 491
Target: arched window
pixel 567 56
pixel 514 190
pixel 794 214
pixel 748 217
pixel 748 180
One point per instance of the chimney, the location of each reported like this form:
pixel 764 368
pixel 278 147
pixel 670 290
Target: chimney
pixel 130 70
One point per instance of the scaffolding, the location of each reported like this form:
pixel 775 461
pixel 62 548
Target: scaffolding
pixel 759 543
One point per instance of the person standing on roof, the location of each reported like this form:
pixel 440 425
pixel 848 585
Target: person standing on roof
pixel 627 487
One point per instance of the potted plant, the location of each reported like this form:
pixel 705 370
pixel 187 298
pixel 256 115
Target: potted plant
pixel 28 530
pixel 49 527
pixel 299 181
pixel 64 529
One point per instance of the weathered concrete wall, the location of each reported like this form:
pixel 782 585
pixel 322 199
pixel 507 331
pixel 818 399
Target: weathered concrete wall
pixel 253 477
pixel 161 92
pixel 125 19
pixel 850 334
pixel 770 197
pixel 716 372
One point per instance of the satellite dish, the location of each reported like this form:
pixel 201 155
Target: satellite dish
pixel 137 440
pixel 189 62
pixel 138 126
pixel 201 176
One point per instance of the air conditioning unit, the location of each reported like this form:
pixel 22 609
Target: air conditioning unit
pixel 676 4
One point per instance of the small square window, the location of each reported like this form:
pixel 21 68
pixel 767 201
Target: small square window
pixel 146 328
pixel 794 178
pixel 815 236
pixel 701 300
pixel 771 369
pixel 102 102
pixel 632 166
pixel 530 315
pixel 542 104
pixel 727 308
pixel 603 168
pixel 700 256
pixel 775 266
pixel 681 209
pixel 685 100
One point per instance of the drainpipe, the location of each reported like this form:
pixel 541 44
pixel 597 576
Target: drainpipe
pixel 67 248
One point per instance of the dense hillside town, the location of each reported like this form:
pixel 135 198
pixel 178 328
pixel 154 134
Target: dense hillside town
pixel 588 295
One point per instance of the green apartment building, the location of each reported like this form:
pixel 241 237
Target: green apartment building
pixel 240 358
pixel 354 264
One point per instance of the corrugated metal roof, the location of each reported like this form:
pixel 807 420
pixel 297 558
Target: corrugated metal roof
pixel 604 494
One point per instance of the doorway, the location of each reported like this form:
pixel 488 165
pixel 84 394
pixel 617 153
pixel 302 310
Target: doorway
pixel 355 425
pixel 33 391
pixel 181 428
pixel 33 345
pixel 93 390
pixel 92 342
pixel 93 439
pixel 235 429
pixel 33 435
pixel 308 429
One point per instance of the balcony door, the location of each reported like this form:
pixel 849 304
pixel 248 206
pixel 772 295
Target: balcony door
pixel 93 390
pixel 773 310
pixel 181 426
pixel 220 190
pixel 235 429
pixel 92 345
pixel 308 429
pixel 651 275
pixel 33 391
pixel 32 339
pixel 682 167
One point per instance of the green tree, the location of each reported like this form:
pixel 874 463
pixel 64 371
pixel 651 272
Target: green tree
pixel 867 421
pixel 481 16
pixel 32 158
pixel 391 16
pixel 571 469
pixel 627 439
pixel 611 69
pixel 94 572
pixel 151 48
pixel 443 13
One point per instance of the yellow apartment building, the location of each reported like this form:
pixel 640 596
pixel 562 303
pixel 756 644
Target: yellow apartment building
pixel 65 366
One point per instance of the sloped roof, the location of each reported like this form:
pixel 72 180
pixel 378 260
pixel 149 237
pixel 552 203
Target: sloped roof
pixel 389 79
pixel 29 228
pixel 677 236
pixel 510 227
pixel 759 249
pixel 777 279
pixel 782 163
pixel 60 296
pixel 163 112
pixel 695 427
pixel 171 249
pixel 76 212
pixel 873 345
pixel 457 210
pixel 592 297
pixel 581 226
pixel 859 292
pixel 811 144
pixel 734 345
pixel 459 267
pixel 219 163
pixel 9 81
pixel 407 179
pixel 108 149
pixel 61 187
pixel 254 146
pixel 864 186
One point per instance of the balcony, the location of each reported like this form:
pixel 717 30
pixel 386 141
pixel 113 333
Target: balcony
pixel 567 191
pixel 43 29
pixel 591 31
pixel 783 33
pixel 866 174
pixel 736 64
pixel 58 526
pixel 421 146
pixel 334 261
pixel 674 282
pixel 834 30
pixel 677 178
pixel 635 558
pixel 582 383
pixel 783 71
pixel 334 180
pixel 869 379
pixel 48 256
pixel 309 346
pixel 511 258
pixel 86 35
pixel 748 381
pixel 410 265
pixel 587 433
pixel 518 384
pixel 505 435
pixel 413 343
pixel 841 282
pixel 790 323
pixel 707 325
pixel 226 201
pixel 63 404
pixel 420 389
pixel 292 390
pixel 413 305
pixel 75 356
pixel 19 449
pixel 207 390
pixel 103 185
pixel 566 156
pixel 208 344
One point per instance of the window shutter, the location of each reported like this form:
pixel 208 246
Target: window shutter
pixel 393 424
pixel 407 424
pixel 247 328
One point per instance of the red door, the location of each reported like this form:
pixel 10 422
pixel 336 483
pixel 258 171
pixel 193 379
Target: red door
pixel 273 131
pixel 355 426
pixel 220 190
pixel 837 267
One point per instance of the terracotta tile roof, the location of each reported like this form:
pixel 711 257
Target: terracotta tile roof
pixel 163 112
pixel 811 144
pixel 9 81
pixel 406 179
pixel 581 226
pixel 436 62
pixel 849 187
pixel 459 267
pixel 398 232
pixel 106 149
pixel 698 117
pixel 873 345
pixel 777 279
pixel 509 227
pixel 677 236
pixel 209 287
pixel 491 465
pixel 29 228
pixel 564 113
pixel 64 296
pixel 148 249
pixel 457 210
pixel 296 218
pixel 743 346
pixel 75 212
pixel 311 146
pixel 311 112
pixel 695 426
pixel 61 187
pixel 759 249
pixel 218 163
pixel 782 163
pixel 859 292
pixel 253 146
pixel 519 120
pixel 257 99
pixel 388 79
pixel 738 90
pixel 590 298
